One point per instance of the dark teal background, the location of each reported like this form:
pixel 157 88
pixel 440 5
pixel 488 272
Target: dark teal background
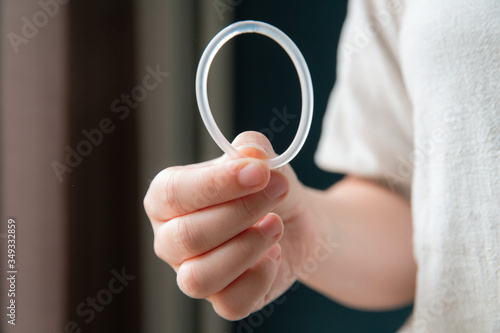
pixel 266 80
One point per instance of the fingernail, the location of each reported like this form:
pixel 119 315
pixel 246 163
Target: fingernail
pixel 251 174
pixel 274 252
pixel 270 226
pixel 277 186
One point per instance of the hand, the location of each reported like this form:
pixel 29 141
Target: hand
pixel 231 229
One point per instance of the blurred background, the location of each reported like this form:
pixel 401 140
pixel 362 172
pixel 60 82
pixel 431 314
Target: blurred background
pixel 97 97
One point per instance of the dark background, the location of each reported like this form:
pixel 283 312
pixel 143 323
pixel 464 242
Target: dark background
pixel 266 80
pixel 74 233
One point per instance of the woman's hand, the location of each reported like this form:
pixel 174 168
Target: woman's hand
pixel 231 228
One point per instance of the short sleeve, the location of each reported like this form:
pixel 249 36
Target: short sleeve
pixel 367 128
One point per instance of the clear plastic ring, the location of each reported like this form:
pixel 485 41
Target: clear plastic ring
pixel 300 64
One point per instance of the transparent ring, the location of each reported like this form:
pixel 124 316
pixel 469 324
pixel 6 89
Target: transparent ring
pixel 300 64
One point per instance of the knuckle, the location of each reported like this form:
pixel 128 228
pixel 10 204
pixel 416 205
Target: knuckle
pixel 171 191
pixel 150 201
pixel 146 202
pixel 243 246
pixel 211 189
pixel 188 280
pixel 246 209
pixel 159 249
pixel 206 185
pixel 183 237
pixel 215 181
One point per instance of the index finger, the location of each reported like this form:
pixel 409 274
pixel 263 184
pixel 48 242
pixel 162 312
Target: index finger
pixel 181 190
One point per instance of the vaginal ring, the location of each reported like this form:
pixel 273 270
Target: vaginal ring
pixel 300 64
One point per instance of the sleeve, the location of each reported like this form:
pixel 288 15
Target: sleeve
pixel 367 129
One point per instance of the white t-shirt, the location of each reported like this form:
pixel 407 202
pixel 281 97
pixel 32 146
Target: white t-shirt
pixel 416 106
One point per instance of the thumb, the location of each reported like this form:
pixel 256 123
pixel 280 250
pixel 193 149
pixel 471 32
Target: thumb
pixel 254 144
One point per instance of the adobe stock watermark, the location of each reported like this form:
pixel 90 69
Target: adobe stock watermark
pixel 89 308
pixel 31 26
pixel 324 249
pixel 120 107
pixel 407 164
pixel 278 123
pixel 223 6
pixel 423 150
pixel 362 36
pixel 436 307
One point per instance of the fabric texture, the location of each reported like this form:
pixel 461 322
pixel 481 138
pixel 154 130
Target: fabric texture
pixel 417 107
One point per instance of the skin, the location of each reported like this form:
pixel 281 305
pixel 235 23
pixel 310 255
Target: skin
pixel 239 234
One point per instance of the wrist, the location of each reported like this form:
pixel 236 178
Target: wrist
pixel 301 229
pixel 319 236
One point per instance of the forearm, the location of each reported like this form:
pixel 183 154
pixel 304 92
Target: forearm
pixel 362 256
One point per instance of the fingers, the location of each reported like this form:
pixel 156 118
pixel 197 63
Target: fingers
pixel 180 190
pixel 204 217
pixel 248 292
pixel 190 235
pixel 205 275
pixel 177 191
